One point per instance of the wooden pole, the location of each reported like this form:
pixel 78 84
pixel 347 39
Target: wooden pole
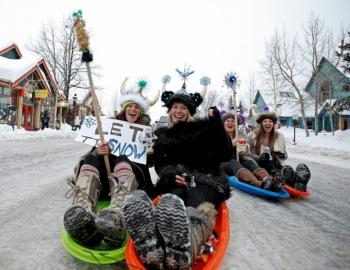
pixel 97 115
pixel 236 122
pixel 83 41
pixel 20 108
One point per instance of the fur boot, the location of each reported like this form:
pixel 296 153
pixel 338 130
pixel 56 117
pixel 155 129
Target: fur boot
pixel 110 221
pixel 202 220
pixel 79 219
pixel 141 224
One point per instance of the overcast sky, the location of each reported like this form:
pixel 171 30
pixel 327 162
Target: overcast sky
pixel 151 38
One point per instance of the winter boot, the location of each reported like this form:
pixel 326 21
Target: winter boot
pixel 174 227
pixel 110 221
pixel 302 176
pixel 141 224
pixel 202 220
pixel 273 183
pixel 79 219
pixel 246 176
pixel 288 175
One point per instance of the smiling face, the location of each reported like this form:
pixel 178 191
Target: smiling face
pixel 179 112
pixel 229 125
pixel 267 125
pixel 132 112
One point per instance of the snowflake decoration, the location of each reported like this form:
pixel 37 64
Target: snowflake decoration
pixel 231 80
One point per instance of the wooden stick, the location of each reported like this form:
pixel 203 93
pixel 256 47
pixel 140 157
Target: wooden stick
pixel 97 115
pixel 236 124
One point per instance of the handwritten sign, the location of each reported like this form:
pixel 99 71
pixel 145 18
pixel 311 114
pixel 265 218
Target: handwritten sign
pixel 123 137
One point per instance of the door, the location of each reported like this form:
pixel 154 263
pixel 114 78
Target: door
pixel 28 117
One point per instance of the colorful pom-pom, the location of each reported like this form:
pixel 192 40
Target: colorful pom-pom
pixel 166 79
pixel 205 81
pixel 142 84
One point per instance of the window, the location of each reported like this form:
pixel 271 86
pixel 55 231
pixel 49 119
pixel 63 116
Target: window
pixel 324 93
pixel 287 94
pixel 5 91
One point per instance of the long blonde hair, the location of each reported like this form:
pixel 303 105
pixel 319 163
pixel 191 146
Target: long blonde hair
pixel 171 121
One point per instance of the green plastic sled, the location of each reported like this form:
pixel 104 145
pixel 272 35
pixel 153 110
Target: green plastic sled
pixel 101 254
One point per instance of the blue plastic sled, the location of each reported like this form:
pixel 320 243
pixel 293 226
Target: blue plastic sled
pixel 234 182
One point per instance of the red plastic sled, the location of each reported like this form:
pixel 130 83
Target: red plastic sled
pixel 295 192
pixel 206 262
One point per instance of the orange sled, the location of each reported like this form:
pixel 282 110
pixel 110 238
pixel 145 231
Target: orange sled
pixel 209 261
pixel 295 192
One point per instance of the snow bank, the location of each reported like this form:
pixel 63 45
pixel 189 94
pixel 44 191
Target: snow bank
pixel 340 140
pixel 7 134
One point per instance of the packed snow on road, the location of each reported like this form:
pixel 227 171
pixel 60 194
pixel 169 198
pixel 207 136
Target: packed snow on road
pixel 294 233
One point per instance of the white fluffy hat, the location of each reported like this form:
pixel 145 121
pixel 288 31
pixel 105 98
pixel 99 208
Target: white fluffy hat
pixel 135 95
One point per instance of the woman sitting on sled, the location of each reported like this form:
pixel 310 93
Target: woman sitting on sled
pixel 170 235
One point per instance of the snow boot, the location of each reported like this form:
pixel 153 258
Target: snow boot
pixel 141 224
pixel 246 176
pixel 302 176
pixel 79 219
pixel 273 183
pixel 174 227
pixel 288 175
pixel 202 220
pixel 110 221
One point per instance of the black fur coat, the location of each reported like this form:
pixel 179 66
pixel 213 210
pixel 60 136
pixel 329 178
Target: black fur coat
pixel 196 148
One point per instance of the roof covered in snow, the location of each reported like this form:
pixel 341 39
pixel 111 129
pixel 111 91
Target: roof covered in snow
pixel 13 69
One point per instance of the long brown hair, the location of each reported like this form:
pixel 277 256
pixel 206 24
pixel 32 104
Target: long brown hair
pixel 260 137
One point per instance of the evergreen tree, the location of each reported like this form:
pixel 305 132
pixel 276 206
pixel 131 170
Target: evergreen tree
pixel 345 54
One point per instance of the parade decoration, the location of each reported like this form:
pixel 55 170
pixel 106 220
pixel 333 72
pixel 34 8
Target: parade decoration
pixel 185 74
pixel 165 80
pixel 231 82
pixel 83 41
pixel 137 94
pixel 205 81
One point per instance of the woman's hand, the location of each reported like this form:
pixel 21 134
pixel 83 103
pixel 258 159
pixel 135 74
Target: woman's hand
pixel 180 180
pixel 234 141
pixel 213 111
pixel 103 149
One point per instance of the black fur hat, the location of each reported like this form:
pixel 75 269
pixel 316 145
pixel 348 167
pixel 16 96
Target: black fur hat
pixel 192 101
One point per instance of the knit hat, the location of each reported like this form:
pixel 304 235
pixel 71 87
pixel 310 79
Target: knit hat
pixel 128 99
pixel 231 115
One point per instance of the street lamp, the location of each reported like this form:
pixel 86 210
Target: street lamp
pixel 295 119
pixel 75 98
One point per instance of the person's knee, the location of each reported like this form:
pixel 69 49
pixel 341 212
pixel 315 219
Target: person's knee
pixel 92 161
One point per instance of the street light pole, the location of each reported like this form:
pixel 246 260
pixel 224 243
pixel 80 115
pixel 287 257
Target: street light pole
pixel 295 118
pixel 75 98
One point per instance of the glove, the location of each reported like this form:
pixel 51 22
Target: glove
pixel 216 113
pixel 149 140
pixel 264 156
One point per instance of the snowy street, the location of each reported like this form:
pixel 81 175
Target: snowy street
pixel 296 233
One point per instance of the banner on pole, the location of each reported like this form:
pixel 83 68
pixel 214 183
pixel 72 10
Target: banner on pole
pixel 124 138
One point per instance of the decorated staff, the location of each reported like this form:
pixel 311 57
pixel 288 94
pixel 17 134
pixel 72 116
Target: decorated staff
pixel 83 41
pixel 231 82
